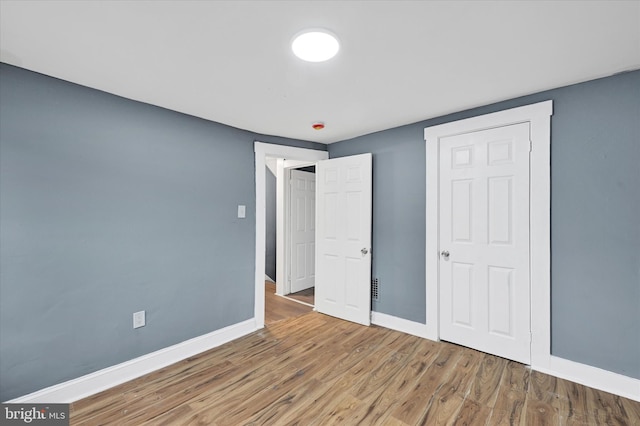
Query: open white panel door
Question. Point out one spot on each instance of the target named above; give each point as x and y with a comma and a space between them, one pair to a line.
343, 238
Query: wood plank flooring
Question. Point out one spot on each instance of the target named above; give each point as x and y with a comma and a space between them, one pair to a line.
278, 308
306, 296
317, 370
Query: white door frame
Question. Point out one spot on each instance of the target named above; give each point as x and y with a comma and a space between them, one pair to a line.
290, 218
283, 223
262, 151
539, 117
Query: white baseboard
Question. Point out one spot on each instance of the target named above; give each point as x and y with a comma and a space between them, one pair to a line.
593, 377
82, 387
98, 381
559, 367
400, 324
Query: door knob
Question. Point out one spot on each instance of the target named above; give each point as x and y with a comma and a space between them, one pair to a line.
364, 251
445, 254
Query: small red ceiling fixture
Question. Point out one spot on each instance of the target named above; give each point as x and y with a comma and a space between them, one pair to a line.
319, 125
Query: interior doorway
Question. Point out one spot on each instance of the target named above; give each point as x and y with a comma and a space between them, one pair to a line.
280, 152
538, 117
343, 283
295, 205
278, 308
301, 227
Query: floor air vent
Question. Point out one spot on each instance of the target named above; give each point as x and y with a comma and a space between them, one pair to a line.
375, 289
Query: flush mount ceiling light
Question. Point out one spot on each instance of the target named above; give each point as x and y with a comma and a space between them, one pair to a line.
315, 45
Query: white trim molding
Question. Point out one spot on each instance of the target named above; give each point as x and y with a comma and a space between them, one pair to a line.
539, 117
399, 324
82, 387
262, 151
594, 377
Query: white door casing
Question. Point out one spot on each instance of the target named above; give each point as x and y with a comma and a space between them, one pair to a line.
484, 241
283, 220
262, 151
539, 118
302, 229
343, 238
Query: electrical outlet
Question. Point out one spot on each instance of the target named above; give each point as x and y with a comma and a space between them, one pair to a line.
139, 319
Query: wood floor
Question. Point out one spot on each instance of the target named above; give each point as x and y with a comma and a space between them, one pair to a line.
278, 308
306, 296
313, 369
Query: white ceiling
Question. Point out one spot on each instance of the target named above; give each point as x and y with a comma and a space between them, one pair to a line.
400, 62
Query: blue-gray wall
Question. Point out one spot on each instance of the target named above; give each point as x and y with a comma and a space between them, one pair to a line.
110, 206
595, 216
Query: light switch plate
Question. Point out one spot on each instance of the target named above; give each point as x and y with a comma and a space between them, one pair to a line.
242, 211
139, 319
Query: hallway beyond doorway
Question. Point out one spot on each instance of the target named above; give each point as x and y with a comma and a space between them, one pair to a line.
278, 308
305, 296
